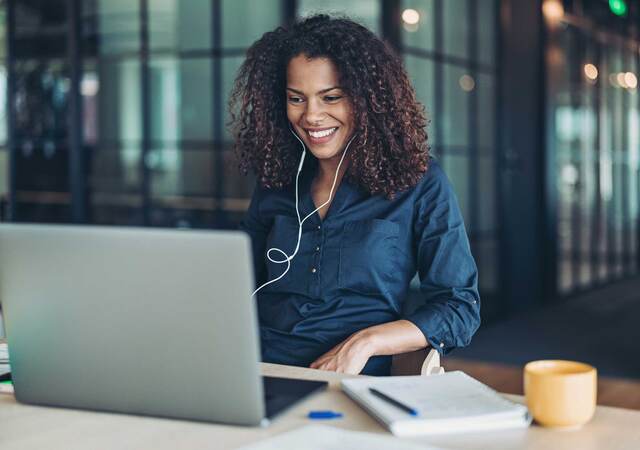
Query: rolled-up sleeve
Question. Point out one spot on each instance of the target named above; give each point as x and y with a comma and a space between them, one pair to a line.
448, 274
257, 228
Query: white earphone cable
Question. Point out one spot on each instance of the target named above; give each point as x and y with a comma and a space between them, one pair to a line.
300, 222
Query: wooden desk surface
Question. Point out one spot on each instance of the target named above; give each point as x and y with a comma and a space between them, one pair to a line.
30, 427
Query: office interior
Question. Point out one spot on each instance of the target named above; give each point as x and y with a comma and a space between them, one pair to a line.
114, 113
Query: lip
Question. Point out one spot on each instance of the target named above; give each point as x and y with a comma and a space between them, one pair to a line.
323, 139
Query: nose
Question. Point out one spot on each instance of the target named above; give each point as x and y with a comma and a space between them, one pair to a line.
315, 112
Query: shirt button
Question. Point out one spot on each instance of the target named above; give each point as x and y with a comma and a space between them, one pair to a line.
317, 249
441, 344
313, 270
319, 227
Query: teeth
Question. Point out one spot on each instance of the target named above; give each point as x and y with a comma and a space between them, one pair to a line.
321, 134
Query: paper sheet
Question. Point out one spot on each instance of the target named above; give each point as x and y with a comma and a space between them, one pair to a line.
4, 352
322, 437
4, 359
450, 396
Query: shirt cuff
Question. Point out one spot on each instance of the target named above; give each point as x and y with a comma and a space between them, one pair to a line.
434, 322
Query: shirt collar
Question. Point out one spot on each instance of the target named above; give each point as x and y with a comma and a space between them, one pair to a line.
341, 195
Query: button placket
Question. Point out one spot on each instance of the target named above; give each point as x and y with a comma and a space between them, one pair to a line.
315, 269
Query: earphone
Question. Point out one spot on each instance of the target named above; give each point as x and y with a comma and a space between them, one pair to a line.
300, 222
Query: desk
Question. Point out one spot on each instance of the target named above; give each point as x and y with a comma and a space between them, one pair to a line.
30, 427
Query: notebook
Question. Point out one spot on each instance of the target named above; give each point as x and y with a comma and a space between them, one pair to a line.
5, 370
449, 403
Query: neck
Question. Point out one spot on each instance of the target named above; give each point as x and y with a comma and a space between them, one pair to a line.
327, 170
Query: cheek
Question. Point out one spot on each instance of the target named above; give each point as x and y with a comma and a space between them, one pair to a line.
345, 114
347, 118
292, 114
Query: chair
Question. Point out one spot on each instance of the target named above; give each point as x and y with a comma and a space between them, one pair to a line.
420, 362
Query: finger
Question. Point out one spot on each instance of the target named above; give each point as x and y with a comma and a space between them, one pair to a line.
327, 364
328, 367
334, 350
318, 362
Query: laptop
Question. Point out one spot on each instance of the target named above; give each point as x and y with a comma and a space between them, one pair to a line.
137, 320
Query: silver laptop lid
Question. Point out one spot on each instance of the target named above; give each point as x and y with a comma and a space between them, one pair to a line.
145, 321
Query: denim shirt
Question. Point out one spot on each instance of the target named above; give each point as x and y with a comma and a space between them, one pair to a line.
353, 268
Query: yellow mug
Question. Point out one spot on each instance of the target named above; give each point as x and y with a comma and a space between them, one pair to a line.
560, 393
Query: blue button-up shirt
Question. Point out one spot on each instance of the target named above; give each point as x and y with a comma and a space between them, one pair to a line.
353, 268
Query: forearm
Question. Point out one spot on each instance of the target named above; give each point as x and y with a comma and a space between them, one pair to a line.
351, 355
392, 338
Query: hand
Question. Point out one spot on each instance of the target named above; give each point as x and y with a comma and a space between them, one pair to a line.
349, 356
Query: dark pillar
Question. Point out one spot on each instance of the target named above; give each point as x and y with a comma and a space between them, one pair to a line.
528, 229
77, 173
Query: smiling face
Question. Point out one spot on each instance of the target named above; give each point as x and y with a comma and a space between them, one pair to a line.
318, 109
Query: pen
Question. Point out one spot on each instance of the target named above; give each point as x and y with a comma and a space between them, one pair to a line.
324, 415
393, 401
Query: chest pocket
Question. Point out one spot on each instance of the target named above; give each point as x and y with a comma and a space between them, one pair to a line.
284, 235
368, 256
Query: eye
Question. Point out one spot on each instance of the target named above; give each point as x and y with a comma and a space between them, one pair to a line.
295, 99
332, 98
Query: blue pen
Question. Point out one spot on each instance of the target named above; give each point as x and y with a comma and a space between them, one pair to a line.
324, 415
394, 402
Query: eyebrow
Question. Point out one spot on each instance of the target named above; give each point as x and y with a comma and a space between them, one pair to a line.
319, 92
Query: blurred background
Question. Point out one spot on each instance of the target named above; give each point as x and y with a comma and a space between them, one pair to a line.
113, 112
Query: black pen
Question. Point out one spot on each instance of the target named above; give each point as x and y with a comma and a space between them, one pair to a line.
393, 401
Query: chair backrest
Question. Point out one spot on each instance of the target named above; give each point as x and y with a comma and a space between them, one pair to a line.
420, 362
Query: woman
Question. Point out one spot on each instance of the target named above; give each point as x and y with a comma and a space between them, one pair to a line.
339, 233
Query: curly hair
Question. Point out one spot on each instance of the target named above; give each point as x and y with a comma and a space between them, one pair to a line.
389, 153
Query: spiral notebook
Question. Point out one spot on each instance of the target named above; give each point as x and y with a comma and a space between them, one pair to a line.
452, 402
4, 362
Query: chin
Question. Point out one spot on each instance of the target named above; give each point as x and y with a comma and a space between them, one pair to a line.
328, 150
321, 153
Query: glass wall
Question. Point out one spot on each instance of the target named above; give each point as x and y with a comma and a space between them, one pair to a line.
112, 121
39, 72
153, 89
594, 121
366, 12
450, 52
158, 77
4, 154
